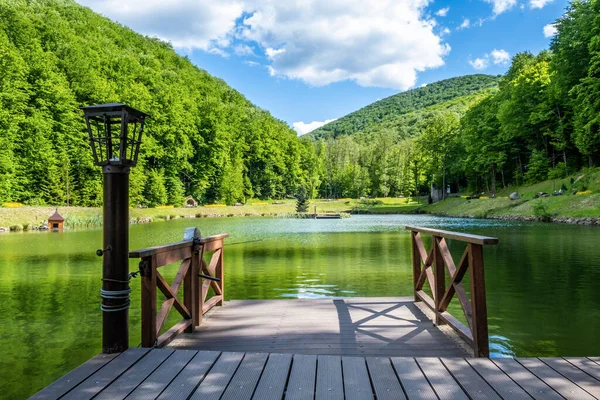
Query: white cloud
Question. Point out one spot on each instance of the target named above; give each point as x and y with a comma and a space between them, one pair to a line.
303, 128
479, 63
386, 44
501, 6
495, 56
442, 12
243, 50
550, 30
500, 56
444, 31
538, 3
251, 63
201, 24
465, 24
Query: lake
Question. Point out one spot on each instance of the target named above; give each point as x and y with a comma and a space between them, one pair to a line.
541, 282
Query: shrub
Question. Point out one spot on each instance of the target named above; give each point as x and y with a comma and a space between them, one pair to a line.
540, 211
558, 172
301, 200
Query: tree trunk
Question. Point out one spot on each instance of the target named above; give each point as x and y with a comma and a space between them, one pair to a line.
493, 178
444, 182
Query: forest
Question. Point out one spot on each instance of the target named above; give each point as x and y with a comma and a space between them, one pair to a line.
540, 120
203, 139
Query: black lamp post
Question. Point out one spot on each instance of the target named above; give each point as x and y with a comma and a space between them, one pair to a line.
115, 134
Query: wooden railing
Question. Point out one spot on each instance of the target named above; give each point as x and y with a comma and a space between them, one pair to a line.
432, 266
194, 273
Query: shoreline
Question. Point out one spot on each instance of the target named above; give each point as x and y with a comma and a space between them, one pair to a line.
89, 217
589, 221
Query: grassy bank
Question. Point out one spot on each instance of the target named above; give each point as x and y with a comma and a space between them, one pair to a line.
585, 204
77, 217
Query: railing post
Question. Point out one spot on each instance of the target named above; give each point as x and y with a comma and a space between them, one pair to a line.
148, 268
481, 345
440, 279
416, 262
221, 273
200, 285
189, 292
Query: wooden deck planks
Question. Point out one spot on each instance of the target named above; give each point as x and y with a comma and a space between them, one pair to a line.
301, 384
346, 327
528, 381
127, 382
274, 378
244, 381
73, 378
586, 365
104, 376
575, 375
330, 385
412, 379
470, 381
184, 374
153, 386
385, 381
496, 378
440, 379
555, 380
215, 383
357, 385
194, 372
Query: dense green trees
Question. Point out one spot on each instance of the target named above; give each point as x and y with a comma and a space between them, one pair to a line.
387, 114
541, 119
204, 138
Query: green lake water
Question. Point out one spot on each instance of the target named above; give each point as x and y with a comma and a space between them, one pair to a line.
542, 282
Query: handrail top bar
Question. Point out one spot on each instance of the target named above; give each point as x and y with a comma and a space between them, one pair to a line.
463, 237
151, 251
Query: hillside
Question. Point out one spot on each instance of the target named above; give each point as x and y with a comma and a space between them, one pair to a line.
391, 111
204, 138
576, 208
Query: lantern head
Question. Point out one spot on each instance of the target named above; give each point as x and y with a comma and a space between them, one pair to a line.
115, 133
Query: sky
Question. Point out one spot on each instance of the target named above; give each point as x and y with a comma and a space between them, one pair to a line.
309, 62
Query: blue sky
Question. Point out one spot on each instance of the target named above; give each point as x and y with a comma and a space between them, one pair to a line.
312, 61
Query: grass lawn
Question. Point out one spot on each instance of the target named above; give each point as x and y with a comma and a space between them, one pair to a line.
89, 216
567, 205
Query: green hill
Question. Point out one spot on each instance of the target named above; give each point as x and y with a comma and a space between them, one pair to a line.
204, 138
401, 112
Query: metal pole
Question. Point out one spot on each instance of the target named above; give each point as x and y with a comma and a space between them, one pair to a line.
115, 265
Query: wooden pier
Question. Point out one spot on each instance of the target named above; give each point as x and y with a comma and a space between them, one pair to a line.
353, 348
389, 326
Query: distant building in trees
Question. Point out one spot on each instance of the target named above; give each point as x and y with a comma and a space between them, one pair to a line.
190, 202
56, 221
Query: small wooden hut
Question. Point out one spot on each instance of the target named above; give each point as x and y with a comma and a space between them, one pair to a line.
190, 202
56, 221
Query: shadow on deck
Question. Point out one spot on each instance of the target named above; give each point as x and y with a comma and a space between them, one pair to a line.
345, 326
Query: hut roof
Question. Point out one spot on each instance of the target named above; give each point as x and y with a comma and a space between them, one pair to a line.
56, 217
